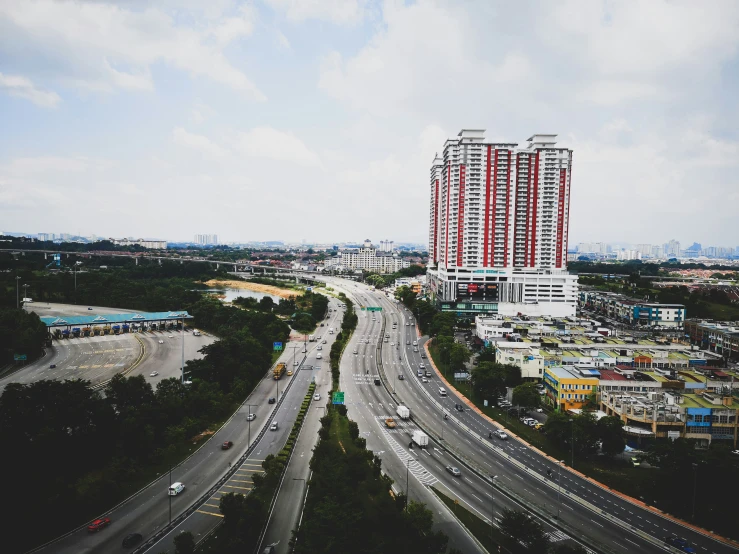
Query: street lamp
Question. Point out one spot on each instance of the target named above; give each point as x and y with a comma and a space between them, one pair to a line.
559, 484
407, 484
572, 424
492, 505
183, 350
17, 298
248, 420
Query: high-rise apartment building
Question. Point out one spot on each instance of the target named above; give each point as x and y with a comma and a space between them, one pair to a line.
206, 239
498, 227
387, 245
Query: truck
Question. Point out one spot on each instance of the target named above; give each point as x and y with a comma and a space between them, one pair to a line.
390, 423
403, 412
116, 329
126, 328
311, 338
28, 300
330, 330
86, 331
65, 333
279, 370
75, 331
420, 438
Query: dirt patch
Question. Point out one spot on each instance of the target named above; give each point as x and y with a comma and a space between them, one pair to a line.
342, 447
197, 438
256, 287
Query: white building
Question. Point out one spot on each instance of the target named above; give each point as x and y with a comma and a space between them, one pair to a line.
206, 239
368, 258
498, 227
387, 245
146, 243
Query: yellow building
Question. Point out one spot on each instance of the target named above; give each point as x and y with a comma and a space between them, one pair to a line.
569, 387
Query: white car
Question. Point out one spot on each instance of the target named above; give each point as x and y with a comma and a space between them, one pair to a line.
153, 374
424, 380
296, 362
251, 417
318, 356
324, 341
316, 396
170, 336
161, 341
319, 347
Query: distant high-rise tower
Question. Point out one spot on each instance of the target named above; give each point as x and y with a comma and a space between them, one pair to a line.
206, 240
499, 217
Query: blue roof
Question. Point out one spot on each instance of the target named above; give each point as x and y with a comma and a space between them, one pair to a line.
107, 319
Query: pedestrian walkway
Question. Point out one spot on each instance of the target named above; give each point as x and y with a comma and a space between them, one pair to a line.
239, 483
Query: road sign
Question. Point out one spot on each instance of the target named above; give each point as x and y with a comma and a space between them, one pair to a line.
374, 308
338, 398
276, 346
20, 357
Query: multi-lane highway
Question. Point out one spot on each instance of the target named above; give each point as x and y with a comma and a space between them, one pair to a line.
147, 512
600, 518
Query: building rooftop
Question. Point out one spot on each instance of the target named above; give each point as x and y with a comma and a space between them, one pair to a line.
612, 375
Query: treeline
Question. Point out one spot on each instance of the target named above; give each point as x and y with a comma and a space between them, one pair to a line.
104, 447
348, 324
20, 333
381, 280
351, 507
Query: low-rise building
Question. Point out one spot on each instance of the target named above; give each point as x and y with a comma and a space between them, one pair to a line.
632, 312
721, 337
367, 258
528, 359
146, 243
568, 388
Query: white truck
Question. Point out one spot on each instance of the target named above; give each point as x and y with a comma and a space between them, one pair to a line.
420, 438
403, 412
330, 330
311, 338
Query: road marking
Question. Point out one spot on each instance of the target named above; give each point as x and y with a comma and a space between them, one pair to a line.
209, 513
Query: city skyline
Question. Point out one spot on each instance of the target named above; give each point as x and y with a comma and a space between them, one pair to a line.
199, 123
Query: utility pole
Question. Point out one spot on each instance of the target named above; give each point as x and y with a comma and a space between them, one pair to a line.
25, 290
17, 297
572, 423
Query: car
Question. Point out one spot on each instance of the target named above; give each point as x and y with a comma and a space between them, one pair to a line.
423, 354
539, 410
226, 445
501, 434
401, 377
319, 347
274, 426
187, 382
319, 356
454, 471
52, 366
272, 400
635, 461
538, 425
161, 341
251, 417
270, 549
89, 308
424, 380
680, 544
289, 372
459, 407
355, 351
415, 343
316, 396
98, 524
735, 452
296, 362
132, 540
153, 374
392, 344
415, 349
324, 341
407, 324
321, 324
421, 366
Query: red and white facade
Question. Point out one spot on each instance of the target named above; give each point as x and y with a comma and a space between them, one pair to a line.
499, 217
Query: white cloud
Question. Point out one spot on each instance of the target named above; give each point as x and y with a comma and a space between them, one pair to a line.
266, 142
235, 27
282, 40
84, 41
341, 12
207, 147
16, 85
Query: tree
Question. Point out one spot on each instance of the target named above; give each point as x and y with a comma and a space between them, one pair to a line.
523, 529
266, 304
184, 543
611, 433
459, 355
443, 323
526, 395
488, 380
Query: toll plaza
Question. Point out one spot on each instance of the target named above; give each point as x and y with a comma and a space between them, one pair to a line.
63, 327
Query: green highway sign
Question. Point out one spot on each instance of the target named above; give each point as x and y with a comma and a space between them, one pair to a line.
374, 309
276, 346
20, 357
338, 398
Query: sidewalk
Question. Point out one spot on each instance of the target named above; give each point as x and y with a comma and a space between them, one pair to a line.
288, 509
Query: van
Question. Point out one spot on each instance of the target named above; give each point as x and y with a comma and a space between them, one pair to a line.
442, 391
274, 426
377, 381
175, 489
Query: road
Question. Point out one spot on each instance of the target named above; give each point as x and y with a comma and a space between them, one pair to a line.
587, 510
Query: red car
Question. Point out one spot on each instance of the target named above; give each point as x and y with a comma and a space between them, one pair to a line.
98, 524
226, 445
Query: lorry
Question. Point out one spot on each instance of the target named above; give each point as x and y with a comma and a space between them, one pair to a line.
390, 423
75, 332
330, 330
403, 412
279, 370
126, 328
311, 338
420, 438
116, 329
65, 333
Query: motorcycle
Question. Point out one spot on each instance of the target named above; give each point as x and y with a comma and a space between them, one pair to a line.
490, 435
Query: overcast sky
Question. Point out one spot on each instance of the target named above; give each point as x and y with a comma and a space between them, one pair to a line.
318, 119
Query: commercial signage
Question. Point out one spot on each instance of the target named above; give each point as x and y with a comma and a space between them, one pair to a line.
489, 291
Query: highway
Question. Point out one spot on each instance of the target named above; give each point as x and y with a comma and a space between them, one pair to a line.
147, 512
587, 510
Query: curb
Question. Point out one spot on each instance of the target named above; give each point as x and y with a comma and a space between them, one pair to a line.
598, 484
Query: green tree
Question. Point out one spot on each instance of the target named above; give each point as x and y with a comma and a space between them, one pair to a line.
488, 380
526, 395
459, 355
443, 323
612, 436
525, 530
184, 543
266, 304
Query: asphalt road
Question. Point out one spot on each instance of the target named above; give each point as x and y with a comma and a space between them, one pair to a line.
585, 508
147, 512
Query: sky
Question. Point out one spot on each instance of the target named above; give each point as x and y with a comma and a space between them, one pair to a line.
318, 120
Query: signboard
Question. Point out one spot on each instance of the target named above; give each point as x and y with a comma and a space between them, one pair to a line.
672, 435
338, 398
20, 357
462, 376
489, 291
374, 309
276, 346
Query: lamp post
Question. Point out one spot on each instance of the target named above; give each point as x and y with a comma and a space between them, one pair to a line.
443, 417
25, 292
695, 488
248, 420
407, 485
572, 424
183, 350
17, 297
559, 484
492, 505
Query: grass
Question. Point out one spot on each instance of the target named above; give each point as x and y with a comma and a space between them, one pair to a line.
491, 538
